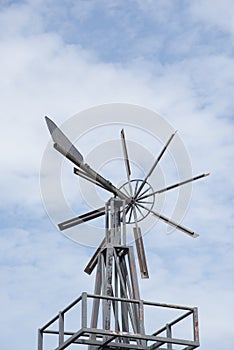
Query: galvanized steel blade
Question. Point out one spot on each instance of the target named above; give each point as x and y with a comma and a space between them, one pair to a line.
107, 184
125, 152
174, 186
88, 177
170, 222
82, 218
126, 161
155, 164
62, 141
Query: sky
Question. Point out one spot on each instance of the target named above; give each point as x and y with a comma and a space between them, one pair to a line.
59, 58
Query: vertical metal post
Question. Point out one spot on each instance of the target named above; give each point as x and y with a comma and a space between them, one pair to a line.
124, 240
112, 221
84, 310
61, 328
116, 306
133, 274
108, 287
123, 293
97, 290
169, 345
96, 301
107, 221
118, 224
40, 339
141, 326
195, 325
141, 323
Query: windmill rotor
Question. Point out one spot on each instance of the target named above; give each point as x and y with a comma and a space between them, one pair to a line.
138, 195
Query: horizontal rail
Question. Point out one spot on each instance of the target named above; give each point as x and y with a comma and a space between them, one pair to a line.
149, 303
172, 306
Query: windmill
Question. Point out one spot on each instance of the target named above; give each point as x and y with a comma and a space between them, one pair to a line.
117, 298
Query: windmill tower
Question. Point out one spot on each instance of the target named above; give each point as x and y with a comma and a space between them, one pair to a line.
117, 317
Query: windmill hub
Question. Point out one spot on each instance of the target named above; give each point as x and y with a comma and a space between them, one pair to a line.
142, 199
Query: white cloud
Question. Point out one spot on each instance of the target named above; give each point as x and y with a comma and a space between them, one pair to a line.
215, 13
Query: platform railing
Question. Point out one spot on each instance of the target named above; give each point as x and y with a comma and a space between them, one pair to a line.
97, 338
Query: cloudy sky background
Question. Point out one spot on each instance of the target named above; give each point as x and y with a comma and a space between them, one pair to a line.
59, 58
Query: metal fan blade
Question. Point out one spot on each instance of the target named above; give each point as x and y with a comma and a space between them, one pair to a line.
155, 164
82, 218
170, 222
174, 186
93, 261
63, 142
105, 183
87, 177
140, 252
125, 152
127, 163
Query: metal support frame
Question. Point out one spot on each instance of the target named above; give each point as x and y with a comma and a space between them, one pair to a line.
116, 276
118, 315
113, 338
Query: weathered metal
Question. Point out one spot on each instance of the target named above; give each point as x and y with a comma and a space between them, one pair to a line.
81, 219
140, 252
118, 317
114, 338
174, 186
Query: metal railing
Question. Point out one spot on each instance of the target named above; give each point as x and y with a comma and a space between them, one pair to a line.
98, 338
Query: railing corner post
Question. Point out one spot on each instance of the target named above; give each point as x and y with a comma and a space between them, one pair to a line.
61, 328
84, 310
40, 339
195, 325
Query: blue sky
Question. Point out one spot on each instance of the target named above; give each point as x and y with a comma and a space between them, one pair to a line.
59, 58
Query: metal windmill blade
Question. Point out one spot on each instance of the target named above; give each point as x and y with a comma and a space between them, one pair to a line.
63, 144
